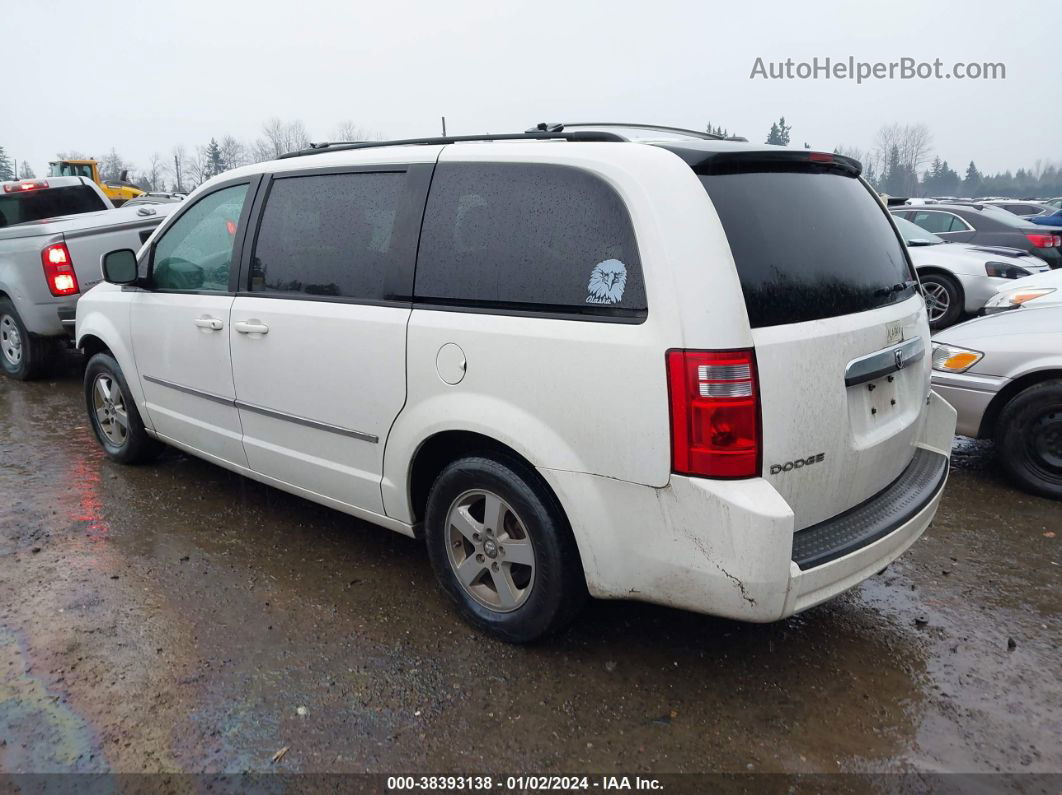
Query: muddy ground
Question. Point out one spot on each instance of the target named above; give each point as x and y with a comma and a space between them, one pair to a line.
176, 617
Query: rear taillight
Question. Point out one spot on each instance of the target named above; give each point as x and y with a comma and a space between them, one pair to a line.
24, 185
1043, 241
59, 269
715, 413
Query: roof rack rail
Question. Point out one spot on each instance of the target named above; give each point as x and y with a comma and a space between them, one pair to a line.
706, 136
339, 146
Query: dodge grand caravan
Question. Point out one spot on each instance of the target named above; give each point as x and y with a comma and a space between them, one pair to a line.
687, 371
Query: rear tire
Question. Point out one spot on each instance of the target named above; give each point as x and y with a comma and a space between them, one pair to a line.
23, 356
944, 299
502, 548
1028, 438
113, 415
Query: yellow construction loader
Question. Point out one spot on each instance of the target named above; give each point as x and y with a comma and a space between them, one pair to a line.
118, 192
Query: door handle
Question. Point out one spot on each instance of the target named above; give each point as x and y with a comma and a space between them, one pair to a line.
211, 323
251, 327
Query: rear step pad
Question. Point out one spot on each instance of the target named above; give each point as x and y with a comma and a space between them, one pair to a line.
875, 518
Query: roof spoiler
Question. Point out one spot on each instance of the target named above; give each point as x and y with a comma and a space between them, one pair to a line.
713, 162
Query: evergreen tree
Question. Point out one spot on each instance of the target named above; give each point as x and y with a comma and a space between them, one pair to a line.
6, 169
948, 181
215, 162
971, 185
779, 134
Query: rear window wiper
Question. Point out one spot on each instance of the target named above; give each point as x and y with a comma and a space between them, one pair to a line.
896, 288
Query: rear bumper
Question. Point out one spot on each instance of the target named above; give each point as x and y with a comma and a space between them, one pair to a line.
833, 556
45, 319
67, 317
726, 547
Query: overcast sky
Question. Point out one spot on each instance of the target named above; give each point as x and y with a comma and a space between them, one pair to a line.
142, 76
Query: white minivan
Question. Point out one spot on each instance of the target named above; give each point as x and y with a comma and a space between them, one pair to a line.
669, 368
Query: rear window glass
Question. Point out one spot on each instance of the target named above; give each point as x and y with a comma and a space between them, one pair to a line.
809, 243
328, 235
36, 205
528, 236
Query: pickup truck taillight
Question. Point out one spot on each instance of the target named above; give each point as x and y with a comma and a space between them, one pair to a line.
59, 270
715, 413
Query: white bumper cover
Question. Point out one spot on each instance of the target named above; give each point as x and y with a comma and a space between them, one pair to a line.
721, 547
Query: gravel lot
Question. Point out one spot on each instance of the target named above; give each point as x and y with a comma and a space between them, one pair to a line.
177, 617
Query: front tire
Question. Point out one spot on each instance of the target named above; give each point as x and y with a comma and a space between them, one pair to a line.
1029, 439
113, 415
943, 299
502, 548
23, 356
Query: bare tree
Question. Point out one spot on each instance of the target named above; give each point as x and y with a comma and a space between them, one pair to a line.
72, 154
112, 166
349, 131
279, 137
197, 167
905, 145
153, 175
233, 153
26, 171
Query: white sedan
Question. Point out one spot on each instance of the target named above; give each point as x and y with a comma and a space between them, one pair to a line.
958, 278
1038, 290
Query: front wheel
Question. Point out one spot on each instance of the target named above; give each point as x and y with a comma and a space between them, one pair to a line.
1029, 439
113, 414
502, 548
943, 299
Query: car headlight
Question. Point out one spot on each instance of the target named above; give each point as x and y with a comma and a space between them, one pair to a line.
1002, 270
953, 359
1015, 298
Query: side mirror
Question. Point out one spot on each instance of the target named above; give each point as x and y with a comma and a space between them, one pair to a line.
124, 176
119, 267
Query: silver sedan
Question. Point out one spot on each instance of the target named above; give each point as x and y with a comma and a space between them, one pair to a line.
1003, 375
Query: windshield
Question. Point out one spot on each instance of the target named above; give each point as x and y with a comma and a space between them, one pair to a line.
69, 170
36, 205
808, 242
914, 235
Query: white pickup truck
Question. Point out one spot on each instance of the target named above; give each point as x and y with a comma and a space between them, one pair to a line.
52, 234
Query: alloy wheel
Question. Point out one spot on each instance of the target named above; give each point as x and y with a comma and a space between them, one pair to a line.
938, 301
490, 550
111, 413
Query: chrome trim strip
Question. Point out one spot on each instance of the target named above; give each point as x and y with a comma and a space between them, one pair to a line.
883, 362
278, 415
189, 390
321, 426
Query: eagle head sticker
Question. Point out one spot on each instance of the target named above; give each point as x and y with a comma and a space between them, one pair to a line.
607, 281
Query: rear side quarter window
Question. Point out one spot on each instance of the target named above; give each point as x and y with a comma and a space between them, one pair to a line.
528, 237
